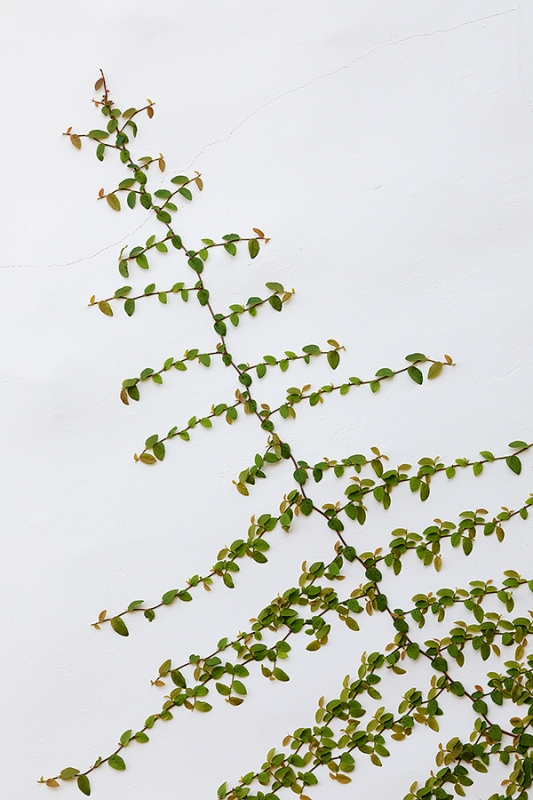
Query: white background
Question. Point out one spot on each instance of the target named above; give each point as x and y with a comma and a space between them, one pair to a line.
385, 147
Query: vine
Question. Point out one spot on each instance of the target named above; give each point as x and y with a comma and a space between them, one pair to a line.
315, 606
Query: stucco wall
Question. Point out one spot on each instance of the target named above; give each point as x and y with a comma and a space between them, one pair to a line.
385, 147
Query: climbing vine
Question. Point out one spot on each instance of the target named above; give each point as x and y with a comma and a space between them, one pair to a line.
347, 727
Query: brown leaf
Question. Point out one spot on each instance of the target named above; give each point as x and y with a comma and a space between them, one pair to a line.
150, 112
124, 397
162, 164
52, 782
199, 183
69, 129
75, 140
101, 193
259, 232
101, 615
159, 683
98, 85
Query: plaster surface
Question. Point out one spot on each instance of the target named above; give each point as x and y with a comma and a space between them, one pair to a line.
386, 149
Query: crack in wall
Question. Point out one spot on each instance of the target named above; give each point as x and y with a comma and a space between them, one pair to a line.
274, 99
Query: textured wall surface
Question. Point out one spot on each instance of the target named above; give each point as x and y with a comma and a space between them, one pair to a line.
385, 147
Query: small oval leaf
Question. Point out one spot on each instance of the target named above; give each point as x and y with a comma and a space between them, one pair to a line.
84, 785
113, 201
105, 308
119, 626
117, 762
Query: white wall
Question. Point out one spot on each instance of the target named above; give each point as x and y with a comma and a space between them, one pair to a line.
386, 149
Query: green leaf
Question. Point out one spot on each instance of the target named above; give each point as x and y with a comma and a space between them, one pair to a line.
204, 707
119, 626
84, 785
186, 193
311, 349
518, 444
105, 308
196, 264
113, 201
117, 762
131, 199
435, 370
413, 650
96, 134
333, 359
274, 287
300, 476
275, 302
514, 464
280, 675
306, 506
416, 357
178, 679
68, 773
126, 737
129, 306
253, 247
415, 374
159, 451
142, 261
